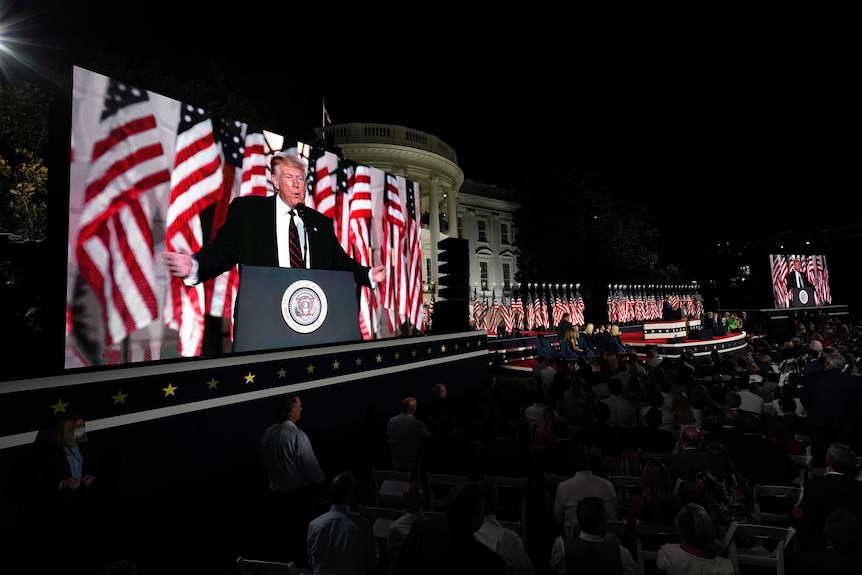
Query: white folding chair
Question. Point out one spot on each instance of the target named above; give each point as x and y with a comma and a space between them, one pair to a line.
439, 485
261, 567
768, 551
389, 486
774, 504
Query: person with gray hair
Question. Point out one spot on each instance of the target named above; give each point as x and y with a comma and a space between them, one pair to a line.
699, 551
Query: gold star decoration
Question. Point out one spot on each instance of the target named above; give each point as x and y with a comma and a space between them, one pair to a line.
379, 358
59, 407
429, 351
397, 356
309, 368
468, 345
249, 378
358, 361
413, 353
479, 343
335, 364
212, 383
456, 347
442, 349
281, 373
170, 389
120, 397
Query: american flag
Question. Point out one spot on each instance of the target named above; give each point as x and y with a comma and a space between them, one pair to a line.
411, 298
780, 268
477, 312
360, 246
196, 183
114, 248
244, 170
508, 316
394, 226
518, 311
531, 311
321, 181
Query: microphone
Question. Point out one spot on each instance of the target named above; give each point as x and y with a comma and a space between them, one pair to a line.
300, 210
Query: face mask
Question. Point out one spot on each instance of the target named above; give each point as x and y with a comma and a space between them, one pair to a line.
79, 433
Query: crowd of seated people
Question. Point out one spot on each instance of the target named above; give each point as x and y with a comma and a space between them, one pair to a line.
709, 422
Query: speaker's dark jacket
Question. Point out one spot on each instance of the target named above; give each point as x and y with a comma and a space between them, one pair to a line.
248, 236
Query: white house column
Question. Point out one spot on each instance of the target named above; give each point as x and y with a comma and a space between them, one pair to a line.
452, 213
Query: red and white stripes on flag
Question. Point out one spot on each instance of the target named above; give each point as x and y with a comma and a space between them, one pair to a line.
244, 170
360, 246
115, 245
322, 168
412, 297
196, 183
394, 226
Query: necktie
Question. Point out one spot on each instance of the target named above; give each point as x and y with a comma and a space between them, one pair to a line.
295, 249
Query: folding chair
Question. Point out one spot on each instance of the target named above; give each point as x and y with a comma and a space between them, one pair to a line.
649, 537
439, 485
389, 486
773, 504
769, 549
512, 493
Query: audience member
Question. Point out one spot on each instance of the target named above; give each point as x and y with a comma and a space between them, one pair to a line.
588, 550
833, 402
836, 489
582, 484
699, 551
623, 411
842, 555
726, 494
684, 415
449, 545
405, 433
295, 479
435, 406
651, 436
656, 501
501, 540
399, 529
543, 373
690, 460
729, 431
599, 434
701, 401
341, 542
564, 326
759, 459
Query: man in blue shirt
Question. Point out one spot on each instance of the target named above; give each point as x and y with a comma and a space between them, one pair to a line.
341, 542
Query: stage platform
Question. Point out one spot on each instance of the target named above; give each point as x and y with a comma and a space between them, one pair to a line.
517, 350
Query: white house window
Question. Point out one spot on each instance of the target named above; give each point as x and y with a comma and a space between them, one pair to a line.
504, 232
507, 274
483, 274
481, 228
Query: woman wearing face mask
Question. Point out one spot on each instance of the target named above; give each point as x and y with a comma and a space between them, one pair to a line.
66, 478
67, 472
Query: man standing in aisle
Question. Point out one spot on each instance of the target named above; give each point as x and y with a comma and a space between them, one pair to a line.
295, 479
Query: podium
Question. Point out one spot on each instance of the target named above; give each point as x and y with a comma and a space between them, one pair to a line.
802, 297
279, 308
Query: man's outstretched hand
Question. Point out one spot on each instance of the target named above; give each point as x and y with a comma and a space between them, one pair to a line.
378, 273
179, 265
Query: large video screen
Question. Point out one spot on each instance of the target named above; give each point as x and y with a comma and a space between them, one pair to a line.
800, 280
149, 173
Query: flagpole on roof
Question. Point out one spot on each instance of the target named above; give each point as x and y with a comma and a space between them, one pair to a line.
325, 119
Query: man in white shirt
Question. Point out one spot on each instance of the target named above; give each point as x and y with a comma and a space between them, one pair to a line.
582, 484
501, 540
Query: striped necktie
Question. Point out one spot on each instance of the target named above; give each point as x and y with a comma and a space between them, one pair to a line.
295, 248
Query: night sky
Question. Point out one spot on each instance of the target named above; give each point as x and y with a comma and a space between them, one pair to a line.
752, 122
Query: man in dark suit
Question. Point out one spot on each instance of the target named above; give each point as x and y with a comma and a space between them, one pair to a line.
564, 326
257, 231
833, 401
796, 278
836, 489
